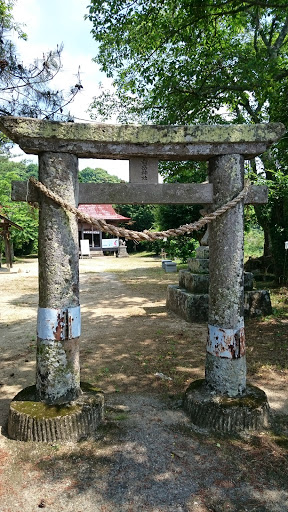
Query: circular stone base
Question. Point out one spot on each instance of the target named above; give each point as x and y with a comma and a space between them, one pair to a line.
32, 420
223, 414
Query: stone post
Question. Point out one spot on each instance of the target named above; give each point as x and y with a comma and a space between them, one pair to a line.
223, 401
56, 409
225, 359
58, 326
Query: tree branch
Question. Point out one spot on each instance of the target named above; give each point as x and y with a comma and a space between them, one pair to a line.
256, 19
245, 104
280, 39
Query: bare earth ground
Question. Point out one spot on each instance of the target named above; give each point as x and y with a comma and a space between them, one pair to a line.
146, 457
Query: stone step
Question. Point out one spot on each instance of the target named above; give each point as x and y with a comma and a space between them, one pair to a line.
191, 307
202, 252
199, 283
194, 307
198, 265
194, 283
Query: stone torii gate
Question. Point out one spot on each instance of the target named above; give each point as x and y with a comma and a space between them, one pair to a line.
58, 146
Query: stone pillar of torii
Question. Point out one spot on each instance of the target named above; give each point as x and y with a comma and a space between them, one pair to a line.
58, 146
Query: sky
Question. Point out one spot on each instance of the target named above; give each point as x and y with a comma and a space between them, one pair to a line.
51, 22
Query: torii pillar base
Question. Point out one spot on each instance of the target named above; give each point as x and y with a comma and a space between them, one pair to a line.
33, 420
218, 413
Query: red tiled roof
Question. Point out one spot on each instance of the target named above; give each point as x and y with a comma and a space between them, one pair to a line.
101, 211
5, 220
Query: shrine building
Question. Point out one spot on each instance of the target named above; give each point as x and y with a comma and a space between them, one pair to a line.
99, 241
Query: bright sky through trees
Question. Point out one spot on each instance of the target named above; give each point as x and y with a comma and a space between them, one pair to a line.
48, 23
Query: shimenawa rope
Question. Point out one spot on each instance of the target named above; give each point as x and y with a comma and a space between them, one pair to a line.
102, 225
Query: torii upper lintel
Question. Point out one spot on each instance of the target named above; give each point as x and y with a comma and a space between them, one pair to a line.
193, 142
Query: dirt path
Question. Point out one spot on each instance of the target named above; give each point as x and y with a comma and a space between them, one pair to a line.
147, 457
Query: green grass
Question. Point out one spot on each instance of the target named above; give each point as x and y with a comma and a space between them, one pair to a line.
253, 243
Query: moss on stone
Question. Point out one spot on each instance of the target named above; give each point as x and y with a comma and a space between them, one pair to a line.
26, 402
33, 420
86, 387
281, 441
220, 413
39, 410
16, 128
252, 399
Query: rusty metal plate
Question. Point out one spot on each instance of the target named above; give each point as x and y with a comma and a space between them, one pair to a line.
59, 324
226, 343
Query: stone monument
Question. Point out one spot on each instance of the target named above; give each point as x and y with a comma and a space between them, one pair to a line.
190, 299
122, 250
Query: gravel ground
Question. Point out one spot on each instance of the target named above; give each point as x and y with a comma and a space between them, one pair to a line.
164, 466
146, 456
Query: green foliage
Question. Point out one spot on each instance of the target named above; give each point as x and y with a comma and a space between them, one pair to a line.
142, 217
182, 248
273, 217
97, 175
183, 172
250, 219
277, 211
253, 243
197, 61
26, 241
173, 216
180, 62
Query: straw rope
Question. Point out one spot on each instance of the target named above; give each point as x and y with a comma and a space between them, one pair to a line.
102, 225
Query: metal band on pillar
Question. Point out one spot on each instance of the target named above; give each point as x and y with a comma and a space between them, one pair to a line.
227, 343
59, 324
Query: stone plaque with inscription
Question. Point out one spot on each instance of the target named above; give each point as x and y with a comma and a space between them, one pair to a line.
143, 170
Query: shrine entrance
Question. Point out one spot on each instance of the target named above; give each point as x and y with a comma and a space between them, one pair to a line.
58, 146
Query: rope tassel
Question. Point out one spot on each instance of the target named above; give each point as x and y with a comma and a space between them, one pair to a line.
102, 225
